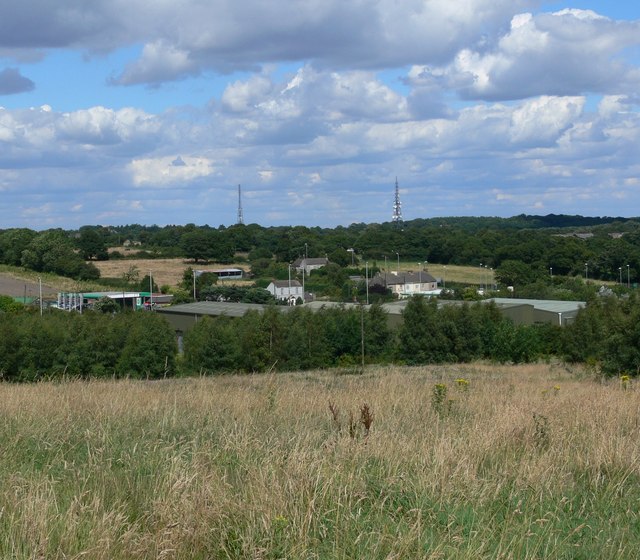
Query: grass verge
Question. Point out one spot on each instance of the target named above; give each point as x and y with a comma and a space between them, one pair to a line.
440, 462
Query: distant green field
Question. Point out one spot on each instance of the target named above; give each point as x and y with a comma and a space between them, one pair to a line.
449, 273
457, 462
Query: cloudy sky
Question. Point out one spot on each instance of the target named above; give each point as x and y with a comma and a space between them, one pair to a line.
154, 111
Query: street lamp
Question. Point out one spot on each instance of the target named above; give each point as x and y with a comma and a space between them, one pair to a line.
551, 272
486, 278
620, 274
628, 282
366, 278
398, 269
586, 272
40, 293
150, 290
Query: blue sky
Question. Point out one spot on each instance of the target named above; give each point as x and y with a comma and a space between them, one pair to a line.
115, 112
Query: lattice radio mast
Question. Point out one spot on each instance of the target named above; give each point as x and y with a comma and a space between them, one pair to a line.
397, 207
240, 216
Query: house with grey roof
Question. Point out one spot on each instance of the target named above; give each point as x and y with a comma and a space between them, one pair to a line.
407, 284
289, 290
306, 264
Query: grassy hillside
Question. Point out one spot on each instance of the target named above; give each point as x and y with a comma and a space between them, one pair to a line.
449, 462
52, 281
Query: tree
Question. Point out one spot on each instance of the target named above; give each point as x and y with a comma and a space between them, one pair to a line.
53, 251
106, 305
13, 242
145, 284
131, 275
91, 244
212, 346
150, 348
260, 253
10, 305
515, 273
197, 245
341, 257
421, 339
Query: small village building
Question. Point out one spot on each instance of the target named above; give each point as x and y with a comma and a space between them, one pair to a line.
539, 311
407, 284
228, 273
286, 290
306, 265
76, 301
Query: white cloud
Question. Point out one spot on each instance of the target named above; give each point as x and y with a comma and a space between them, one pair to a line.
569, 52
494, 100
544, 118
191, 36
161, 172
158, 63
244, 96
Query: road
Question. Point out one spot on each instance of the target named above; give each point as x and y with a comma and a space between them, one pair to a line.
15, 287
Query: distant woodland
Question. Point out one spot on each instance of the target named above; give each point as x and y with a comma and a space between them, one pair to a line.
565, 245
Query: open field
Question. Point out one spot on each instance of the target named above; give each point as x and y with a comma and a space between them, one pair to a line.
520, 462
458, 274
164, 271
169, 271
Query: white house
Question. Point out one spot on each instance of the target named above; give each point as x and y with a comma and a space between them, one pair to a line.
406, 284
289, 290
307, 265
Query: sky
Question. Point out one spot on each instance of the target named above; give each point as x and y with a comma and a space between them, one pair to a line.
115, 112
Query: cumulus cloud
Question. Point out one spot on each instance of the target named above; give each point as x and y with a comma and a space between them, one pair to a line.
307, 105
162, 172
41, 137
495, 108
193, 36
11, 81
570, 52
160, 62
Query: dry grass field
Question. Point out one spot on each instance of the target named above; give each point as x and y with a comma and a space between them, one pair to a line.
165, 271
453, 462
169, 271
460, 274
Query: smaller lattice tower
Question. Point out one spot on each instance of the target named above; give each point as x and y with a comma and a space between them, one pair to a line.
240, 216
397, 206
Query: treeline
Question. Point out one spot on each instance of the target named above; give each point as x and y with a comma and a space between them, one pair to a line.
57, 344
605, 335
345, 336
459, 241
54, 251
543, 243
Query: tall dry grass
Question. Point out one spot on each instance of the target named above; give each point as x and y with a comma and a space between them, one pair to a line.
521, 462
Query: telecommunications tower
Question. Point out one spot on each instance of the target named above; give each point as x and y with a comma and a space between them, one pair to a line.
397, 207
240, 216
